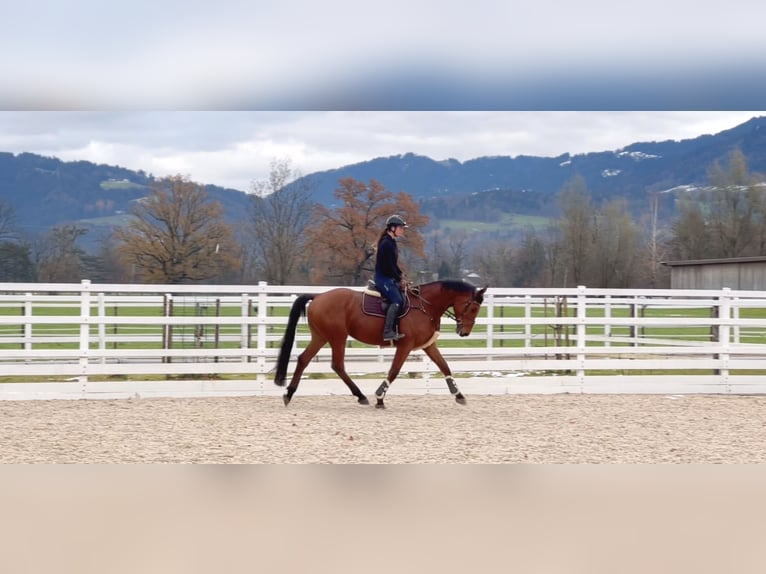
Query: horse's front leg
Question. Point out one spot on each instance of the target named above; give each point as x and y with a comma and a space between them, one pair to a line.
400, 356
436, 356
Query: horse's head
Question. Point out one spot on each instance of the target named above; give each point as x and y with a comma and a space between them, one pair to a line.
466, 308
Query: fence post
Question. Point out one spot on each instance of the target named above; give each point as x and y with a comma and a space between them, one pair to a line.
263, 312
115, 314
84, 329
633, 329
27, 346
582, 313
562, 310
724, 335
101, 326
490, 316
217, 341
607, 316
167, 327
246, 311
527, 324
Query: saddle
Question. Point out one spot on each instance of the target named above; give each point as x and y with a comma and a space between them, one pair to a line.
375, 304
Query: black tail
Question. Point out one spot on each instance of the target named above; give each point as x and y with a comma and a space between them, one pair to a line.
298, 309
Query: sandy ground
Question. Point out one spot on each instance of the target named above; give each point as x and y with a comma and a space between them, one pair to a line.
413, 429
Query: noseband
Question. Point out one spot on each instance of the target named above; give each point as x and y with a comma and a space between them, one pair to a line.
453, 315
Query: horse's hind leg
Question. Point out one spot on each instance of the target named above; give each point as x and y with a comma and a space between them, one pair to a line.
338, 365
436, 356
303, 360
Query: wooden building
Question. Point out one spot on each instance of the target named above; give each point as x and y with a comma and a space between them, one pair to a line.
738, 273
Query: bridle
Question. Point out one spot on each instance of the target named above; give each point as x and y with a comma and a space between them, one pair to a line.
450, 312
453, 314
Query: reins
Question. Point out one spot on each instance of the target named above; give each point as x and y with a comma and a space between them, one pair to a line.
415, 291
449, 313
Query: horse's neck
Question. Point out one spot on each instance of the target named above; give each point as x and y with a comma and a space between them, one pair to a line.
439, 298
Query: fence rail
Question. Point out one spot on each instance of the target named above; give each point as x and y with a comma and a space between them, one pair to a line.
100, 340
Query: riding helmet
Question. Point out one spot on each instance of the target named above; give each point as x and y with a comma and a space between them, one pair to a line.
395, 220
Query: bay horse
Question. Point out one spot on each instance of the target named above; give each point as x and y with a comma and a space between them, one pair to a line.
337, 314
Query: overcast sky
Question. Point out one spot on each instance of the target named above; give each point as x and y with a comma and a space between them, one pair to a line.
233, 149
399, 54
283, 67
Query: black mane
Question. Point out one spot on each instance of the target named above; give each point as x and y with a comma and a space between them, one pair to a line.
459, 286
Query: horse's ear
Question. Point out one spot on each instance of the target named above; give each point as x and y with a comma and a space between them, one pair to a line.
483, 290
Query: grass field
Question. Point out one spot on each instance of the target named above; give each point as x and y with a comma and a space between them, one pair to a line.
542, 335
108, 221
120, 184
510, 222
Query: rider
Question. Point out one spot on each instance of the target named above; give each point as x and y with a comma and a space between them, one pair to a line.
388, 276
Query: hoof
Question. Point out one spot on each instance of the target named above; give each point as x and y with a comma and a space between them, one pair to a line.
460, 399
286, 398
379, 404
363, 401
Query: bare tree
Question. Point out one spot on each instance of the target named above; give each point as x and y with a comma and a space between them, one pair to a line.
655, 250
494, 262
105, 264
15, 255
7, 220
16, 262
613, 249
436, 251
731, 206
529, 262
281, 210
177, 235
690, 236
575, 224
59, 258
727, 219
458, 252
556, 268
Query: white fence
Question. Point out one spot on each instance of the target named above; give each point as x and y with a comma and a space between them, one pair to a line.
97, 340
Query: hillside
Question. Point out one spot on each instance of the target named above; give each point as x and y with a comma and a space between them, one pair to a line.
529, 183
45, 191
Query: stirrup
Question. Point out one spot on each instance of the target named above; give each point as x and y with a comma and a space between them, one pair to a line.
393, 336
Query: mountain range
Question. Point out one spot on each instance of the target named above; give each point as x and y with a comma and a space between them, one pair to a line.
45, 191
528, 184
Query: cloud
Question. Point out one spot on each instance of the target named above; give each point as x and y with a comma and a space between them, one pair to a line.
217, 91
301, 55
234, 149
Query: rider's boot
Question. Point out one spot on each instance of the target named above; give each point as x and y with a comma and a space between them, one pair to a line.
389, 332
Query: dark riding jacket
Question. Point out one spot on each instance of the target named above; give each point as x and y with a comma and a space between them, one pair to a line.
387, 260
388, 276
